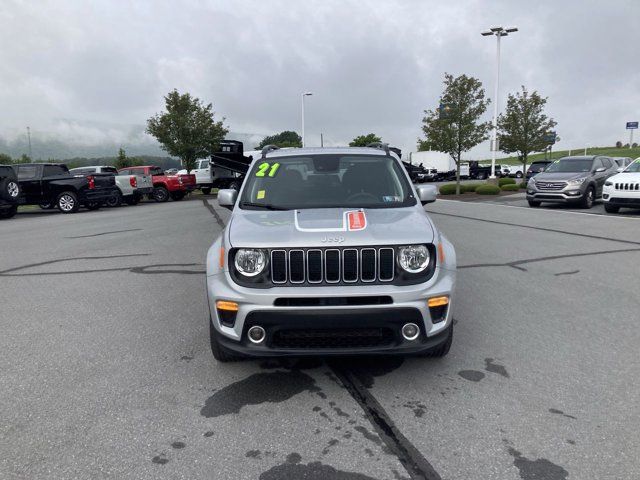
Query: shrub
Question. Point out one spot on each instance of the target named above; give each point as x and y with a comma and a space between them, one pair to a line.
488, 190
506, 181
523, 185
510, 187
449, 189
469, 187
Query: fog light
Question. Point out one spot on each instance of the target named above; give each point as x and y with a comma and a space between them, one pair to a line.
410, 331
256, 334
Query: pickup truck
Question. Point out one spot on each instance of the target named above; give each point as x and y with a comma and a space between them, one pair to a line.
131, 188
9, 191
164, 186
51, 183
204, 178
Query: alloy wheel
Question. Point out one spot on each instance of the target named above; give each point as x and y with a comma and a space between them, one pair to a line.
66, 203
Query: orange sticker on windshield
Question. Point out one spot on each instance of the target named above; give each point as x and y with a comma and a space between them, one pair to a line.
357, 220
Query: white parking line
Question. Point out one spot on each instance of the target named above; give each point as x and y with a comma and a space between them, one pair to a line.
540, 210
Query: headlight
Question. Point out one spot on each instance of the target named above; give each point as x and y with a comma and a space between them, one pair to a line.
577, 181
413, 258
250, 262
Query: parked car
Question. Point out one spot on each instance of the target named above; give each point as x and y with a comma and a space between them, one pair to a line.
329, 251
513, 171
164, 186
203, 173
537, 167
130, 188
623, 189
573, 180
171, 171
622, 162
52, 184
9, 191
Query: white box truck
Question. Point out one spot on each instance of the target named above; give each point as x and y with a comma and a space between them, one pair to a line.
438, 165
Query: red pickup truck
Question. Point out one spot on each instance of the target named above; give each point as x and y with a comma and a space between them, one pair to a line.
164, 186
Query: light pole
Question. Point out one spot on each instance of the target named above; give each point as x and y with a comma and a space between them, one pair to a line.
498, 32
29, 140
305, 94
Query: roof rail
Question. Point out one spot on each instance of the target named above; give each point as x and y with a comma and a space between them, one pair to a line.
380, 146
267, 149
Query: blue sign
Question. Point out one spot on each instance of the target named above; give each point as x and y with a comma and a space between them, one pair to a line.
632, 125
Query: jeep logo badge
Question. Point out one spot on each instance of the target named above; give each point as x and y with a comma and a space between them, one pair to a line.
332, 239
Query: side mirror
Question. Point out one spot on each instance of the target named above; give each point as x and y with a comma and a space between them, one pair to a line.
620, 169
427, 193
227, 198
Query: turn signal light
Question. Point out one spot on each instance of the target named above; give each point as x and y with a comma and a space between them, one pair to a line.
440, 253
438, 301
227, 306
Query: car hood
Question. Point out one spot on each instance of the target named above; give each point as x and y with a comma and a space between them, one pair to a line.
558, 176
625, 177
324, 227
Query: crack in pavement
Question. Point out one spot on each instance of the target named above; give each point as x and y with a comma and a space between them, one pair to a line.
140, 269
516, 263
106, 233
543, 229
216, 215
416, 465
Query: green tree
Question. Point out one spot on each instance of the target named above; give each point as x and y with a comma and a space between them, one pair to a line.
24, 158
455, 128
5, 159
364, 140
187, 129
523, 125
122, 161
282, 140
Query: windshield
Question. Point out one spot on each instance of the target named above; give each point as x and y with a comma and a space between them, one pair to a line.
633, 167
570, 165
326, 181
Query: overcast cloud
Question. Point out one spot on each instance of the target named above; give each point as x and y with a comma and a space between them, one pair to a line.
90, 73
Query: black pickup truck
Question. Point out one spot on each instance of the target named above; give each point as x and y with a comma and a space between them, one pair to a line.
52, 184
9, 191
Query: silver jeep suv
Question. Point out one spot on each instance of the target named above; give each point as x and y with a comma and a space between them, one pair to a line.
329, 251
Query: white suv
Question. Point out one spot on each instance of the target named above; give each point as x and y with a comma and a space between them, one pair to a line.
623, 189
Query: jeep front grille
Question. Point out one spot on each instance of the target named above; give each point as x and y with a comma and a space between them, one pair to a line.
332, 266
627, 186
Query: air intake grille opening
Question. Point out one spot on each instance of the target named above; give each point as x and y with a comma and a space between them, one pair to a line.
343, 338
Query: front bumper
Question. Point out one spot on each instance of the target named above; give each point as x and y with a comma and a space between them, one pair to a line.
567, 195
621, 198
257, 307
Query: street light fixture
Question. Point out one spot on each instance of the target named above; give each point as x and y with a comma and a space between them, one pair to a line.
305, 94
498, 32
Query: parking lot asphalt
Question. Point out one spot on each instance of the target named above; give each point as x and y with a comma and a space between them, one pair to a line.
106, 371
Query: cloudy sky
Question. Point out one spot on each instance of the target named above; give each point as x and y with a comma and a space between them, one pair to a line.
89, 73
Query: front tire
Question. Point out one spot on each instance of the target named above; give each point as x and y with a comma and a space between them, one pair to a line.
442, 349
518, 174
67, 202
534, 204
206, 191
9, 189
177, 196
588, 198
235, 185
220, 353
160, 194
611, 208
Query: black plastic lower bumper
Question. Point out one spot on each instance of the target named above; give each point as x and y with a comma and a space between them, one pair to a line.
624, 202
367, 331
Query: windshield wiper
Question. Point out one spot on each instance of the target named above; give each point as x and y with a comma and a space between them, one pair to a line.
266, 206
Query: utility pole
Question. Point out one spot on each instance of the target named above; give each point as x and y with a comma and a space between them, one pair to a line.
305, 94
498, 32
29, 140
321, 140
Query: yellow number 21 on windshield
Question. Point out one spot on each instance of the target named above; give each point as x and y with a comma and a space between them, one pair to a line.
264, 167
